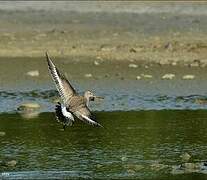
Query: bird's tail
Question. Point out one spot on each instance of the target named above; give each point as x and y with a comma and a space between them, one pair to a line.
60, 117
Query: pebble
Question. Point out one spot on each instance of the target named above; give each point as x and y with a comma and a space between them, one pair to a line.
133, 66
29, 110
99, 165
11, 163
34, 73
138, 77
158, 166
135, 167
188, 77
174, 64
124, 158
188, 168
96, 63
29, 106
185, 157
132, 50
195, 64
2, 133
147, 76
168, 76
88, 75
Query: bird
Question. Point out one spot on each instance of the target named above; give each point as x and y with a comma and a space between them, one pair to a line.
72, 104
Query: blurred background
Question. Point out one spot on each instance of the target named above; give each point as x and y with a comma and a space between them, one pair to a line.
149, 61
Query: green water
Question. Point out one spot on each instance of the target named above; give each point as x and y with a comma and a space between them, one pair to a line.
128, 147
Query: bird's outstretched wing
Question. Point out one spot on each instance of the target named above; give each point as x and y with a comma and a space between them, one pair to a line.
63, 86
85, 115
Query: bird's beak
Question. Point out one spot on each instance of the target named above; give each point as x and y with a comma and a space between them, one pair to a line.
99, 97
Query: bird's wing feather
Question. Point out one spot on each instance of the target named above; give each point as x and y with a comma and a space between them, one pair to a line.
64, 88
85, 115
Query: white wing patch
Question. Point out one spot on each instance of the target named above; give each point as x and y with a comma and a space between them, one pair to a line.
67, 114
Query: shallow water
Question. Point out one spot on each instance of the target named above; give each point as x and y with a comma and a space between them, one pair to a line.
129, 146
115, 81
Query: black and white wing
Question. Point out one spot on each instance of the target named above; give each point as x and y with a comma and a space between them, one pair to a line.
63, 86
63, 115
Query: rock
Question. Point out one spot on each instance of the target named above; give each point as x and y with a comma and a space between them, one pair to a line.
2, 133
185, 157
99, 166
11, 163
88, 75
201, 101
138, 77
96, 63
158, 166
168, 76
34, 73
29, 110
132, 50
187, 168
194, 64
188, 77
29, 106
133, 66
124, 158
135, 167
174, 64
130, 171
147, 76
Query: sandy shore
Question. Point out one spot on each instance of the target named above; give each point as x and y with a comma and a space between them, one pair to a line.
153, 36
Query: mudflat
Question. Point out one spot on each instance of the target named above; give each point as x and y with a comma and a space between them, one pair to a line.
162, 33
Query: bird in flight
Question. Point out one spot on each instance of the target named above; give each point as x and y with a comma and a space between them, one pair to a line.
72, 103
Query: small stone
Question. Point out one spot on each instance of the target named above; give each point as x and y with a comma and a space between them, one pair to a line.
133, 66
11, 163
185, 157
138, 77
168, 76
132, 50
2, 133
158, 166
34, 73
188, 77
195, 64
29, 110
124, 158
96, 63
130, 171
88, 75
190, 167
147, 76
174, 64
99, 165
135, 167
29, 106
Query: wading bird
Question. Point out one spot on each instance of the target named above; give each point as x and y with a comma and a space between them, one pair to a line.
72, 104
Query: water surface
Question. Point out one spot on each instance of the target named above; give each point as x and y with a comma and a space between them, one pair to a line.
128, 147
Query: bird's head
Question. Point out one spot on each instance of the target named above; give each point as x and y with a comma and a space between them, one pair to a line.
90, 96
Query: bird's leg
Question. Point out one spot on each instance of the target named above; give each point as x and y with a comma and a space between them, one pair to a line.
64, 126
